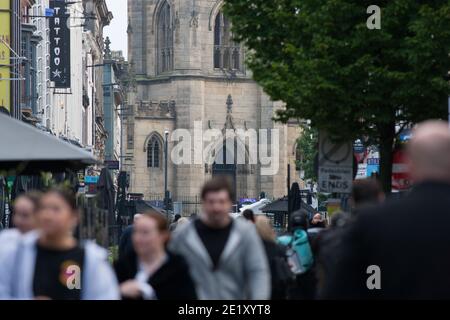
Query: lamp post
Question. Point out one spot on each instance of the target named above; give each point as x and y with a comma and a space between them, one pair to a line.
166, 192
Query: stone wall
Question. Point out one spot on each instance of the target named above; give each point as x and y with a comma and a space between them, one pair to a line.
196, 92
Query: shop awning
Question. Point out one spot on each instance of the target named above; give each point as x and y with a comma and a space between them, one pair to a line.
24, 149
281, 205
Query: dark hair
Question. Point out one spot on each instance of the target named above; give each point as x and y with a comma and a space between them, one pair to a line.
366, 191
177, 217
216, 184
33, 196
249, 215
67, 195
299, 220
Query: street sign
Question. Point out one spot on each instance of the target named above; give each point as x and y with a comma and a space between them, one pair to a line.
335, 165
112, 164
358, 147
401, 179
362, 171
59, 45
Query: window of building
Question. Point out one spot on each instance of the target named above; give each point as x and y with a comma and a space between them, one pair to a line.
153, 153
227, 53
165, 39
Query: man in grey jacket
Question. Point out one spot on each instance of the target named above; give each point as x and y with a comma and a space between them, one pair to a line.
226, 257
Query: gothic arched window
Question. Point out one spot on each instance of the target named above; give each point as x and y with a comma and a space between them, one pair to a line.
165, 39
153, 153
227, 53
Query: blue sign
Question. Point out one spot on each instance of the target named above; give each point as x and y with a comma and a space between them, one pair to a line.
371, 169
112, 164
247, 200
405, 135
373, 161
91, 179
358, 147
49, 12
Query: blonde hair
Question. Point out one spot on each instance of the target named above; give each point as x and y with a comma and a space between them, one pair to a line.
182, 220
264, 228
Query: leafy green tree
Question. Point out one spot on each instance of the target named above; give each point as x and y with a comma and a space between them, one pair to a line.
321, 59
307, 146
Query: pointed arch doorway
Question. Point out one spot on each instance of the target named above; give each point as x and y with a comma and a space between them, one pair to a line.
225, 165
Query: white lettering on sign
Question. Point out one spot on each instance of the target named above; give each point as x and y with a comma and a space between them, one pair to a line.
60, 44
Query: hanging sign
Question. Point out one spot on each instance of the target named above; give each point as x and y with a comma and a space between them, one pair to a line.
59, 44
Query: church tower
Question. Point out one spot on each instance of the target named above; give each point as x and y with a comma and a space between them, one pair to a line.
190, 73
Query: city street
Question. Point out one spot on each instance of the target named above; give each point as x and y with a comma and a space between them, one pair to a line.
224, 150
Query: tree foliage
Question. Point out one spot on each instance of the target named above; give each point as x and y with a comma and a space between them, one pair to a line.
307, 146
319, 57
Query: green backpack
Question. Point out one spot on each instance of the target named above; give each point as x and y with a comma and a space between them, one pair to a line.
299, 253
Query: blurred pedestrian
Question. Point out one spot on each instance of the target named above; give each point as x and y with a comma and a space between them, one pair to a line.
51, 264
365, 192
149, 271
193, 216
173, 225
226, 256
25, 206
397, 250
125, 242
318, 221
249, 215
300, 256
326, 248
24, 217
281, 274
182, 221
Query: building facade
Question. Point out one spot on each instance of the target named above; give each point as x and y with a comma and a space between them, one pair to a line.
6, 37
44, 92
113, 99
190, 75
28, 52
75, 113
18, 49
100, 17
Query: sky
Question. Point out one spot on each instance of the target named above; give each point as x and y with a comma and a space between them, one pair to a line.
117, 30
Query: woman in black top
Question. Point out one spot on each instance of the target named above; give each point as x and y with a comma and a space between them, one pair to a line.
149, 271
59, 267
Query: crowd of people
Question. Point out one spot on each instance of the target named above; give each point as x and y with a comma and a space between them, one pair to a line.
216, 257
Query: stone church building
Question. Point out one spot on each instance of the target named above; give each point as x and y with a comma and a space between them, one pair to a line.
188, 70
